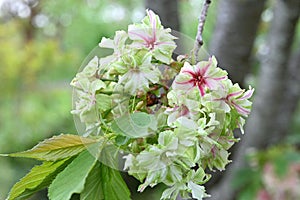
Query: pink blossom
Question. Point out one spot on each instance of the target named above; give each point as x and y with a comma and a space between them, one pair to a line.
232, 96
286, 187
203, 75
152, 36
149, 38
239, 100
177, 112
263, 195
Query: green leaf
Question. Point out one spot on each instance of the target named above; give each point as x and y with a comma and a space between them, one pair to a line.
282, 162
104, 183
121, 140
110, 155
57, 147
114, 186
72, 179
245, 177
250, 191
37, 179
93, 185
134, 125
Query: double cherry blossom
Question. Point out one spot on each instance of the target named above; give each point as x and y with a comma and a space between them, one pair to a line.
151, 35
203, 75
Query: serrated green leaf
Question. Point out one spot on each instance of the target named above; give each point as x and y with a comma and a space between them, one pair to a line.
37, 179
57, 147
72, 179
104, 183
93, 185
114, 186
134, 125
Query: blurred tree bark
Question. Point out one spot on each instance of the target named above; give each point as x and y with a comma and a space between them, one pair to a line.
262, 123
167, 11
291, 98
233, 40
234, 35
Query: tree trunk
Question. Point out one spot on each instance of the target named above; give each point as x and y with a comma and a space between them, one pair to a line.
262, 122
233, 40
168, 12
234, 35
291, 99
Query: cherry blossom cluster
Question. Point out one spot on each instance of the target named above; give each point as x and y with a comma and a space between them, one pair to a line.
170, 133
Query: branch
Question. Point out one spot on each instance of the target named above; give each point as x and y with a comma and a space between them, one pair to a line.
234, 34
199, 39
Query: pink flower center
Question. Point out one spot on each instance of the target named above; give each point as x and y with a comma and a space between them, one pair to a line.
199, 79
150, 43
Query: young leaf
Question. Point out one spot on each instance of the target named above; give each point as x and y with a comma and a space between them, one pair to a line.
114, 186
93, 185
72, 179
57, 147
134, 125
37, 179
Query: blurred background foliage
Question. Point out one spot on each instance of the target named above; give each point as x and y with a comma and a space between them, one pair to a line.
42, 45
